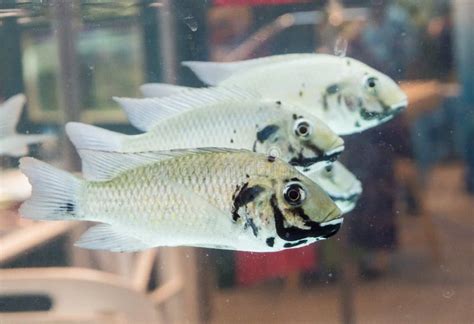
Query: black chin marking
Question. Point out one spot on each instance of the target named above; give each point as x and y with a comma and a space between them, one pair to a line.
265, 133
290, 245
293, 233
386, 112
305, 162
270, 241
242, 196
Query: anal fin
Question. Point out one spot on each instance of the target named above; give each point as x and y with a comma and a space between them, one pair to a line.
108, 237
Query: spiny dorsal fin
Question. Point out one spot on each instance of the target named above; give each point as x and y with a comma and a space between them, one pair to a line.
145, 113
102, 166
10, 112
212, 73
89, 137
159, 90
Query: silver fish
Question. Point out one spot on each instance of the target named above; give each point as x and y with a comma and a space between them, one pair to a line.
348, 95
340, 184
218, 118
213, 198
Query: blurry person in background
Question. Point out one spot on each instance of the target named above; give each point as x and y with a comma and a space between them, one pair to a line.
437, 44
385, 42
229, 26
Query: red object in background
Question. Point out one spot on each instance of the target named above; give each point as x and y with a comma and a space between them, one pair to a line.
255, 2
256, 267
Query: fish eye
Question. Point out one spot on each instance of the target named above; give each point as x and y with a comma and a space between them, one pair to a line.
371, 83
294, 194
303, 128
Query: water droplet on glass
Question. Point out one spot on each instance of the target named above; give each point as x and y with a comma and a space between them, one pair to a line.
340, 46
191, 23
448, 294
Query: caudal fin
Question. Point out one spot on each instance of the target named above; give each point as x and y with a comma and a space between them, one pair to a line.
88, 137
54, 192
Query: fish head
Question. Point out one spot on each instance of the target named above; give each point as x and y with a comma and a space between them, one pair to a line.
297, 210
340, 184
305, 142
313, 144
370, 96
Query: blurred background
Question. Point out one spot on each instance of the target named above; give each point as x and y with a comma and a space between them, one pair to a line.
404, 255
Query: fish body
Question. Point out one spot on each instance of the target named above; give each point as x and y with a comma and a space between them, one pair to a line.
264, 126
212, 198
12, 143
340, 184
345, 93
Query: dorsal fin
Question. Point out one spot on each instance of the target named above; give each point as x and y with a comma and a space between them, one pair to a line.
212, 73
102, 166
159, 90
10, 112
145, 113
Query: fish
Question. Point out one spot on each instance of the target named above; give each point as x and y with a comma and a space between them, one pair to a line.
348, 95
11, 143
218, 118
208, 197
340, 184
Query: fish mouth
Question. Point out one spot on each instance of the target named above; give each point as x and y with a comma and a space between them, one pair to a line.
351, 198
388, 111
322, 230
353, 194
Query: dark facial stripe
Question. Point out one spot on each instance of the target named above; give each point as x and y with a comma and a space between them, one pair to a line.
265, 133
294, 233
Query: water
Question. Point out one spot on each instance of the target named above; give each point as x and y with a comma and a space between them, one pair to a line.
404, 233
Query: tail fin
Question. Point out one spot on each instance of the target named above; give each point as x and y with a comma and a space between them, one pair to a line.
159, 90
10, 112
54, 192
90, 137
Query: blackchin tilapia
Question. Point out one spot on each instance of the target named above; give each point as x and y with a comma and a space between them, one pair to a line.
218, 118
348, 95
215, 198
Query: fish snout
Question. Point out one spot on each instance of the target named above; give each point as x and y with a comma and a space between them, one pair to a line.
335, 150
398, 107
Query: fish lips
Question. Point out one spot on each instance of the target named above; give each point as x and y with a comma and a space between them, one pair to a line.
388, 113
